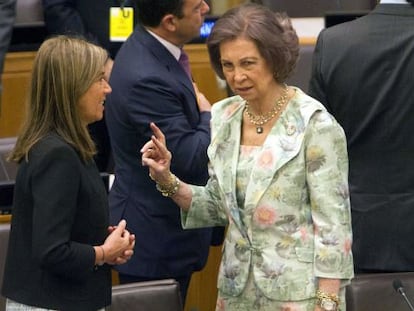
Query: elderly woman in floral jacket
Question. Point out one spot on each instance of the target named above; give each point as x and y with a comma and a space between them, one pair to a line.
278, 175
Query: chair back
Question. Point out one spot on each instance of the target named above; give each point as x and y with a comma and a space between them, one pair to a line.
316, 8
4, 242
8, 170
160, 295
375, 291
29, 12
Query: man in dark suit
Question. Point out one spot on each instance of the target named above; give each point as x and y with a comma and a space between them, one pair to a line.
363, 74
149, 85
7, 15
90, 19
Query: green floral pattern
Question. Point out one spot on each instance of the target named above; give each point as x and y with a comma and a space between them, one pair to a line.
293, 223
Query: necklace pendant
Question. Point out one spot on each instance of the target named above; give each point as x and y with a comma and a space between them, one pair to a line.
259, 129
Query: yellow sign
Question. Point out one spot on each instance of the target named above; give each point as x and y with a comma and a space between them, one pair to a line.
121, 23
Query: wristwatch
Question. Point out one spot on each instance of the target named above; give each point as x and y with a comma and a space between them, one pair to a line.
327, 302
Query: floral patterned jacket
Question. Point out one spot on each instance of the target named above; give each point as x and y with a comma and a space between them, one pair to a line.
298, 224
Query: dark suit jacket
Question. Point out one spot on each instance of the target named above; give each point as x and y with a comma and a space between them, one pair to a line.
59, 212
148, 85
7, 15
363, 73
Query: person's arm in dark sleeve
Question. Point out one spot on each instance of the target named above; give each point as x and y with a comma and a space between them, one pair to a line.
7, 15
316, 83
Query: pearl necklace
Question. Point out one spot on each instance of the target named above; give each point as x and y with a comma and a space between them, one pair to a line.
261, 119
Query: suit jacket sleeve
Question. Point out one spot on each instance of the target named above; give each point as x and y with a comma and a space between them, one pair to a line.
7, 14
62, 17
327, 179
316, 83
55, 187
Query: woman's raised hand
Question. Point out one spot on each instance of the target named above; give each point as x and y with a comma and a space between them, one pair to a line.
157, 157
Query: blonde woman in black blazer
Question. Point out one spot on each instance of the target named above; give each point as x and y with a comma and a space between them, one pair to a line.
61, 247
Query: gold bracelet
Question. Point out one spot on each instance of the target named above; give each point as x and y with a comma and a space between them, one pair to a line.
327, 301
170, 188
322, 295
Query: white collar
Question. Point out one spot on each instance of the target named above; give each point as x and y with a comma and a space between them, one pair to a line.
393, 2
174, 50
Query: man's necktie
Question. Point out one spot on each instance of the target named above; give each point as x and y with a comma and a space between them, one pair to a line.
183, 60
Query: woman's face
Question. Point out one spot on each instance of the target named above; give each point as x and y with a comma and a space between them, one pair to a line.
245, 70
91, 103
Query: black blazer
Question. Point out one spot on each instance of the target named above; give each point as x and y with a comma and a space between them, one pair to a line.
59, 212
148, 84
363, 73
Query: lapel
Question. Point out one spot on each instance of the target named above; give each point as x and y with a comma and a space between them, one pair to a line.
281, 145
164, 56
224, 152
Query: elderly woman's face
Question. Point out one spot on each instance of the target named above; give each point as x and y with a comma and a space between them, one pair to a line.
245, 70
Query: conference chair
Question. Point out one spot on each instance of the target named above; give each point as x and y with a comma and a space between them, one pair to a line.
4, 242
316, 8
381, 292
160, 295
29, 29
8, 170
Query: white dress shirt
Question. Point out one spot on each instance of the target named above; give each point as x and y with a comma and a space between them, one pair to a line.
174, 50
394, 2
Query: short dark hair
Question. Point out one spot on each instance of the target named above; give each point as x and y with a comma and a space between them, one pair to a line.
272, 33
151, 12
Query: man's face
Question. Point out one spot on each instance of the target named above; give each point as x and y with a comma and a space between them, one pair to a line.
188, 27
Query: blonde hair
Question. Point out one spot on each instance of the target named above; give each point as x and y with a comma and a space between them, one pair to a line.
64, 69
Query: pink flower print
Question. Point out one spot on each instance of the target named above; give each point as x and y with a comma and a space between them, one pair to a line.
347, 246
264, 216
290, 306
266, 159
247, 150
303, 233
